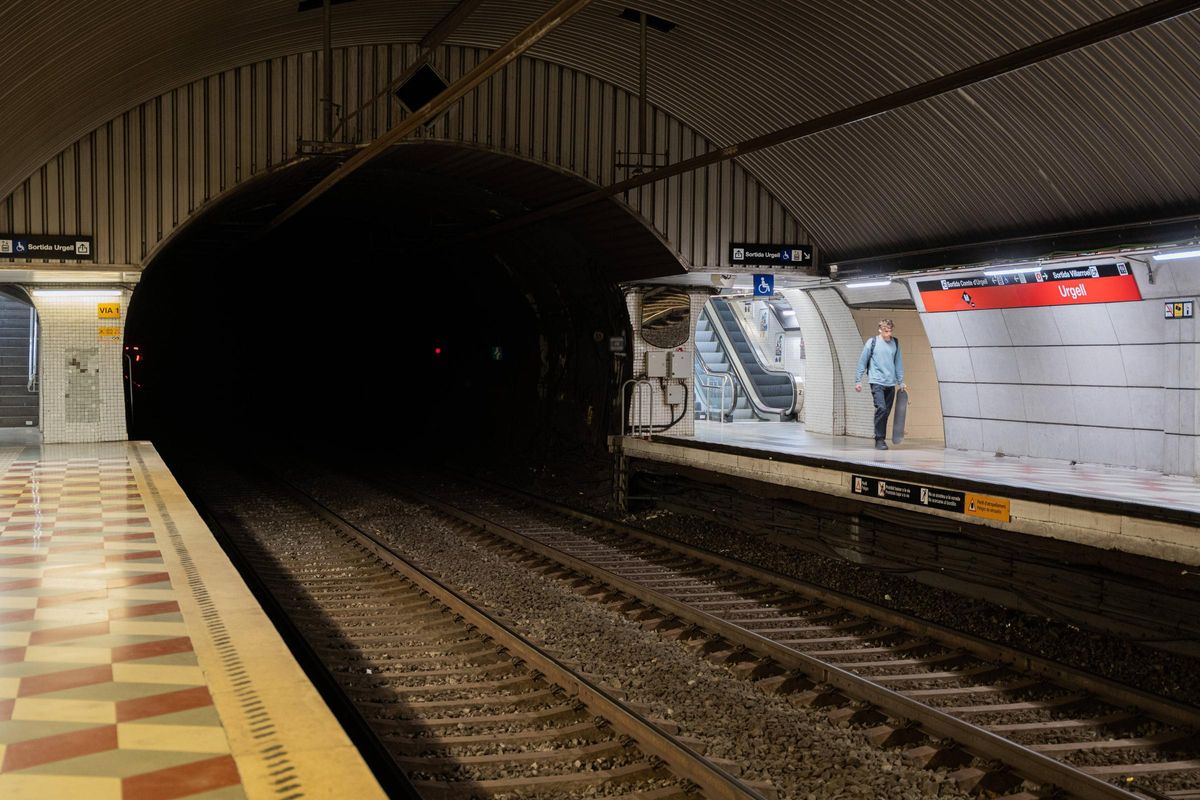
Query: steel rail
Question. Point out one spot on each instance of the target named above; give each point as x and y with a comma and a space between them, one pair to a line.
683, 761
1123, 23
1025, 761
556, 15
1164, 709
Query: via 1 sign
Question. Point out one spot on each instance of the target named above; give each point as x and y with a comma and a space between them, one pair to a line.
967, 503
55, 248
1064, 286
788, 256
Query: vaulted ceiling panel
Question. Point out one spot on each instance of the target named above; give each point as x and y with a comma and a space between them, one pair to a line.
1090, 137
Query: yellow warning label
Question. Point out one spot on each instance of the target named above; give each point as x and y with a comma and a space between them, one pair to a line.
108, 310
980, 505
1178, 313
110, 333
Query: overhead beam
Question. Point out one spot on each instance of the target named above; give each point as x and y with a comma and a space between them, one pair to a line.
436, 36
1146, 15
559, 13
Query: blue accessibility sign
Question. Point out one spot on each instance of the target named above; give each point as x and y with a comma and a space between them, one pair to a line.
764, 285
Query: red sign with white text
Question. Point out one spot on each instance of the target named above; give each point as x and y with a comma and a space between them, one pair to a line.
1106, 283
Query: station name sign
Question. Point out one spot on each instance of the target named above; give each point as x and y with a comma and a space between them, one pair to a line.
1066, 286
968, 503
58, 248
785, 256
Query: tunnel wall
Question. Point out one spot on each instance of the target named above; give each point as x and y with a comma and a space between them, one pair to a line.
135, 179
81, 369
1111, 383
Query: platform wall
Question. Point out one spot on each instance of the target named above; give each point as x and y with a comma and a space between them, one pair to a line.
81, 370
1107, 383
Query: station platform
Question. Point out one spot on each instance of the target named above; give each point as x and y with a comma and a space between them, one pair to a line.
134, 662
1134, 511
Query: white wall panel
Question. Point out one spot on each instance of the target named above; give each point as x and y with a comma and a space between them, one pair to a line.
1042, 365
995, 365
1001, 402
1081, 325
1049, 404
985, 328
953, 364
1053, 441
133, 180
1097, 365
1001, 436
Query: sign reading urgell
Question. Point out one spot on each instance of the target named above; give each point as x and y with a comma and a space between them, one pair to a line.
1066, 286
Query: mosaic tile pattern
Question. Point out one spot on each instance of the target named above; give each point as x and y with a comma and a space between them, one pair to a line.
101, 694
82, 393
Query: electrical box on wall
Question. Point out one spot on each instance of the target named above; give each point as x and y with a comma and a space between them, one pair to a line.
675, 394
656, 364
680, 363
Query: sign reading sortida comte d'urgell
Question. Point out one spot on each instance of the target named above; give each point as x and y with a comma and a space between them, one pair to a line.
19, 246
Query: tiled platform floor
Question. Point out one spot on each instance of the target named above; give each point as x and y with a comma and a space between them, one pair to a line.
1114, 483
133, 661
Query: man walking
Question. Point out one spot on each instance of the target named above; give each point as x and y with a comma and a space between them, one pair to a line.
881, 354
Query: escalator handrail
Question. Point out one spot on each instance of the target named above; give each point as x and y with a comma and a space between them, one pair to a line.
735, 363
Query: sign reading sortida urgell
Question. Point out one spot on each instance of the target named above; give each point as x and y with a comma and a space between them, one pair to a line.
39, 246
784, 256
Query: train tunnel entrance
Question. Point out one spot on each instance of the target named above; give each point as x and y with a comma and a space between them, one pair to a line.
385, 316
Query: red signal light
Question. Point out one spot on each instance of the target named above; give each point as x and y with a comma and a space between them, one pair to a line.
437, 351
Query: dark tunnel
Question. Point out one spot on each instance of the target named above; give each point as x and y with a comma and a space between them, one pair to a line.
383, 319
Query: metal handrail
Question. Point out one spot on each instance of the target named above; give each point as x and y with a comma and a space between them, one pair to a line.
736, 365
725, 378
636, 428
31, 375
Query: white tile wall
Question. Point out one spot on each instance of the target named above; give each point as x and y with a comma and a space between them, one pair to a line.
82, 396
638, 408
848, 344
819, 396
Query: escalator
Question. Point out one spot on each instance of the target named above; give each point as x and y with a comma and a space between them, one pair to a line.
767, 393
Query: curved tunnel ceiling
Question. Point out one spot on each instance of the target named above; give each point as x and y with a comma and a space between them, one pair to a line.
1100, 135
432, 195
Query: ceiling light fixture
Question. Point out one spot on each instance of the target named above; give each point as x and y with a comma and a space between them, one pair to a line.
1012, 270
1176, 255
76, 292
865, 284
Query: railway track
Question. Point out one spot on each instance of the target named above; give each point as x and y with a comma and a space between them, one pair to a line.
462, 704
1011, 723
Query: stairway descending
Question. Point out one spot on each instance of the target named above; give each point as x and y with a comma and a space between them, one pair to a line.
708, 348
18, 406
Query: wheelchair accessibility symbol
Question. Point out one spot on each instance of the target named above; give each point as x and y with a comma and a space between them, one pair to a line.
764, 285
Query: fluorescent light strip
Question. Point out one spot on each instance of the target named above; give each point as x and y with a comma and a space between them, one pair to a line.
1013, 271
865, 284
1176, 255
76, 292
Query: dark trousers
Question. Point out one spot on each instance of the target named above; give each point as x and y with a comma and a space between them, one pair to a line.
883, 397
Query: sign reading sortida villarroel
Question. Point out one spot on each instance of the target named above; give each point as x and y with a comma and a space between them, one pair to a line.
44, 246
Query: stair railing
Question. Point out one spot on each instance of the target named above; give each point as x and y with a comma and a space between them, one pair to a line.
31, 377
707, 379
636, 408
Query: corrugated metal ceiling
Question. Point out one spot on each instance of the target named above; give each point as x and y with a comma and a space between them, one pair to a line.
1095, 136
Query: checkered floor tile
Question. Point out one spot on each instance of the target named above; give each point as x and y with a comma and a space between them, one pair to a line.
100, 692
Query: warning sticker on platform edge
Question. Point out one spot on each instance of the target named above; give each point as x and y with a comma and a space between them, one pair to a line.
980, 505
108, 310
110, 333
